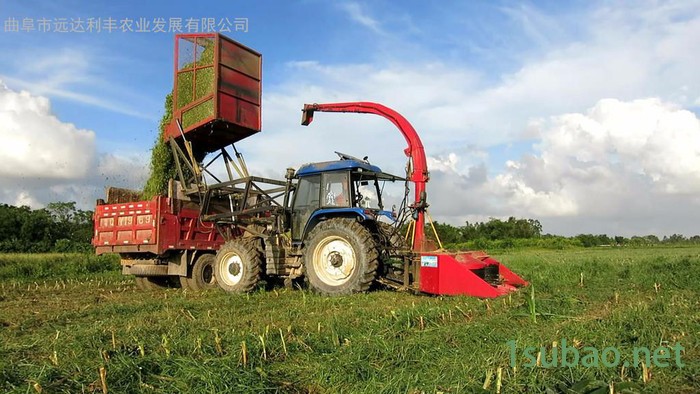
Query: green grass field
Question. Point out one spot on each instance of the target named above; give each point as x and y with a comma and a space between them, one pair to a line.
65, 319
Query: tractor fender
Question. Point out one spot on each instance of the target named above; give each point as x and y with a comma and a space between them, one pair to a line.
322, 214
388, 214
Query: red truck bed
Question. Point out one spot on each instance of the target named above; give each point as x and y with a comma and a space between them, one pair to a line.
155, 226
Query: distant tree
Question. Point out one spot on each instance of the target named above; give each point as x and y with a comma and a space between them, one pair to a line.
71, 223
448, 233
587, 240
674, 239
514, 232
652, 239
494, 229
619, 240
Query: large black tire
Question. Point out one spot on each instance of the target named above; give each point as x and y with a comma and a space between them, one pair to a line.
340, 257
238, 265
155, 282
392, 238
201, 274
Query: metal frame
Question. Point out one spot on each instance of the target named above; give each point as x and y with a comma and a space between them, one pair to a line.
239, 193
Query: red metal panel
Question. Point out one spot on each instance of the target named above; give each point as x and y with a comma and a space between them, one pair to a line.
168, 227
151, 226
240, 112
194, 234
128, 224
239, 85
239, 57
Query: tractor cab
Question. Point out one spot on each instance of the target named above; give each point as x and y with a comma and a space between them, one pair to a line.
349, 187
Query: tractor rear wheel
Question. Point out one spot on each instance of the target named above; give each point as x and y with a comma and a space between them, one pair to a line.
201, 274
238, 265
340, 257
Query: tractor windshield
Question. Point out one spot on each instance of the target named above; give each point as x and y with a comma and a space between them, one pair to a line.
368, 187
367, 192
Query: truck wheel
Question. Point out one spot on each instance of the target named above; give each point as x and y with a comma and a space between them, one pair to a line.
341, 257
201, 274
153, 282
238, 264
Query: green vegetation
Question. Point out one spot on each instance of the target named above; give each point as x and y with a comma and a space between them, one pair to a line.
493, 229
58, 332
60, 227
54, 266
198, 113
162, 161
513, 233
195, 84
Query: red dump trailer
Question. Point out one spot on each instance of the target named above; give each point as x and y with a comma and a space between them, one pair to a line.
158, 226
160, 241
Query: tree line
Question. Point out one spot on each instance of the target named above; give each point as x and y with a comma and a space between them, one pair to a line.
62, 227
513, 232
59, 227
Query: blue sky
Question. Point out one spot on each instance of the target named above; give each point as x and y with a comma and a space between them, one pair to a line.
506, 95
131, 72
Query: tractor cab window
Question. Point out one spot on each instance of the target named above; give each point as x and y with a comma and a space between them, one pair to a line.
306, 201
336, 191
367, 192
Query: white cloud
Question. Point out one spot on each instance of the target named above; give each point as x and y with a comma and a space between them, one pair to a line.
128, 171
443, 163
24, 198
609, 151
46, 159
36, 144
631, 167
359, 15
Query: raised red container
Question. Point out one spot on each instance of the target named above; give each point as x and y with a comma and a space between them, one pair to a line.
217, 91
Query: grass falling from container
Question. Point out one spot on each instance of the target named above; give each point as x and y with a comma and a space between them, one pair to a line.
162, 165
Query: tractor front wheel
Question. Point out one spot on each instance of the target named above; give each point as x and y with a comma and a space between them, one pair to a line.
238, 265
340, 257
